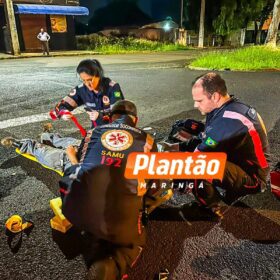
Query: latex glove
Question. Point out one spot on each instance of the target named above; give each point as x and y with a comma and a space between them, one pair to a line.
93, 115
66, 117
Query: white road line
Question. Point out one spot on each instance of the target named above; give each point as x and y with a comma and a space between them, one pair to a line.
31, 119
45, 116
24, 120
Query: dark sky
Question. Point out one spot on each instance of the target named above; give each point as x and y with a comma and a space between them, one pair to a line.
156, 9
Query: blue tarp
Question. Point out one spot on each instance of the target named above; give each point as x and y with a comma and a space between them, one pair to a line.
50, 10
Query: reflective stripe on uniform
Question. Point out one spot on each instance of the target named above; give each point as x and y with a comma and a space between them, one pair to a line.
70, 101
85, 146
253, 133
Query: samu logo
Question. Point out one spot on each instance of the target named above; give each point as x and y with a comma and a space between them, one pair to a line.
117, 140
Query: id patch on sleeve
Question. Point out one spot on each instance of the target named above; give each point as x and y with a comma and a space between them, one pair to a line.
117, 94
72, 92
211, 143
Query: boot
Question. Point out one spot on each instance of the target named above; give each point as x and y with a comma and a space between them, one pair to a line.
9, 142
47, 127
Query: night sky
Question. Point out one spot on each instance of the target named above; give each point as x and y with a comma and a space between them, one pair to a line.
156, 9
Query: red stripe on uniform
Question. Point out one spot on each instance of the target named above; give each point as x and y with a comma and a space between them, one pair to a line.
197, 195
253, 133
250, 187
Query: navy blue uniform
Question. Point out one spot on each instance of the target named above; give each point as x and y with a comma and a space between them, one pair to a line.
101, 200
238, 130
112, 140
108, 94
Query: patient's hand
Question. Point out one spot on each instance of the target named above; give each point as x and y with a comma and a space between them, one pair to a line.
71, 152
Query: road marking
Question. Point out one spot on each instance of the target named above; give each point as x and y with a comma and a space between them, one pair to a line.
31, 119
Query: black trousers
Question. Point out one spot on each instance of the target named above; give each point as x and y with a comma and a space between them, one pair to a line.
235, 184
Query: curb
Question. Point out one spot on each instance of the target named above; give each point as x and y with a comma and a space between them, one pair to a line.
231, 70
51, 55
211, 69
198, 68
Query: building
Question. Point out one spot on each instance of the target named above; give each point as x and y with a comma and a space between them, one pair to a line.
55, 16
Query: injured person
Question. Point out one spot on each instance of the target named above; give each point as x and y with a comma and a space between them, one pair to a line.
53, 151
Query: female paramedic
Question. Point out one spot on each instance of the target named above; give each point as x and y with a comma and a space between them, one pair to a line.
97, 93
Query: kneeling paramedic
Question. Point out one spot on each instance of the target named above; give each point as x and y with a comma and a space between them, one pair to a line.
98, 198
231, 127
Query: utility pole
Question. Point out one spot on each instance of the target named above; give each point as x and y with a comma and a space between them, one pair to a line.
201, 25
182, 32
12, 28
182, 12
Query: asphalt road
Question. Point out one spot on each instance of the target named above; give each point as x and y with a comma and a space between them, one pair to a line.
244, 245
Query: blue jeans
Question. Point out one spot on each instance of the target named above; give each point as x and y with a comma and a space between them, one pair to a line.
52, 154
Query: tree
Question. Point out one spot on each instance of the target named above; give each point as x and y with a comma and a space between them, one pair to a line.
235, 14
273, 28
201, 25
192, 16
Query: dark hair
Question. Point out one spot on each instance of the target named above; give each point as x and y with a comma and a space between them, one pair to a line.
212, 82
124, 107
91, 67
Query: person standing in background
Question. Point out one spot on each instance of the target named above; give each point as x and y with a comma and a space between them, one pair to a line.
44, 38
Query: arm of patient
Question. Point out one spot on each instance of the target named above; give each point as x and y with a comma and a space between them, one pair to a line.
72, 154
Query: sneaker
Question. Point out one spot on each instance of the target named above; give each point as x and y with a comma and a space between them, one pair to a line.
9, 142
47, 127
196, 212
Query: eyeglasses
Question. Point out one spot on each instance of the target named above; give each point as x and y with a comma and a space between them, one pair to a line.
86, 82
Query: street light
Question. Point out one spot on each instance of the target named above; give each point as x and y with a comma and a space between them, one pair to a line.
168, 24
167, 27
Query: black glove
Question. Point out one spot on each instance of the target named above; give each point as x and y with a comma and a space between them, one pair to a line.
190, 145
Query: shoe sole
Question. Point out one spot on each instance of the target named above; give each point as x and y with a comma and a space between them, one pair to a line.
7, 142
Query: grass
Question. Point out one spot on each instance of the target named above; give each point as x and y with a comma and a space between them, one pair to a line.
115, 45
249, 58
116, 49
